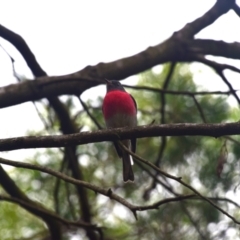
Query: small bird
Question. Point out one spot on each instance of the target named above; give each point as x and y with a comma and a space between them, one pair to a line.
120, 110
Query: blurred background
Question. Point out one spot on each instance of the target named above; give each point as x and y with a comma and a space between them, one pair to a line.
65, 37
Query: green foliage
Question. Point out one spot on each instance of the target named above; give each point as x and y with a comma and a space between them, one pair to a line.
17, 223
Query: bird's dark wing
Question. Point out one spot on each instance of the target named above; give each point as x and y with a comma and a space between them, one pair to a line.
133, 144
134, 101
118, 149
133, 140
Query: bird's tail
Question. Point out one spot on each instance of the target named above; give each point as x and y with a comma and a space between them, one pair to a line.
127, 167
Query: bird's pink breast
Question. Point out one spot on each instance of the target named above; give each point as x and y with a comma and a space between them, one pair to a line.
118, 102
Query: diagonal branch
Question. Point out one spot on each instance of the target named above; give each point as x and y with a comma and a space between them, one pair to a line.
219, 68
200, 110
213, 64
19, 43
236, 9
105, 192
162, 121
95, 121
11, 188
41, 211
221, 7
220, 73
193, 221
179, 180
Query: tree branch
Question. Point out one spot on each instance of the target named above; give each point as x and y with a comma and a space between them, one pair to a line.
77, 83
213, 47
106, 192
236, 9
19, 43
181, 129
109, 193
48, 213
173, 49
179, 180
186, 93
221, 7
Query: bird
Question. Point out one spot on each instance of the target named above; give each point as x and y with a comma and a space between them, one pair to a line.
120, 110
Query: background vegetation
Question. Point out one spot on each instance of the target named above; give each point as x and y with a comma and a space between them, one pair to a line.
35, 204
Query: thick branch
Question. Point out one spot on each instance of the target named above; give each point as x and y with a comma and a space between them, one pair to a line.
76, 83
236, 9
213, 47
173, 49
181, 129
19, 43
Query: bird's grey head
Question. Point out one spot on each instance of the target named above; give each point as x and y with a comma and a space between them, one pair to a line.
114, 85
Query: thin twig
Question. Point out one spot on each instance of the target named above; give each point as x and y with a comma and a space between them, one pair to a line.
56, 190
213, 64
199, 109
162, 121
172, 92
165, 86
192, 220
89, 114
233, 92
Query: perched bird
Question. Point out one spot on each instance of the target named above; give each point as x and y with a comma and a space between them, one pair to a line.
120, 110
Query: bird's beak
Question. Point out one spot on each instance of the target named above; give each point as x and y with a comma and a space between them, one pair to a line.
107, 81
